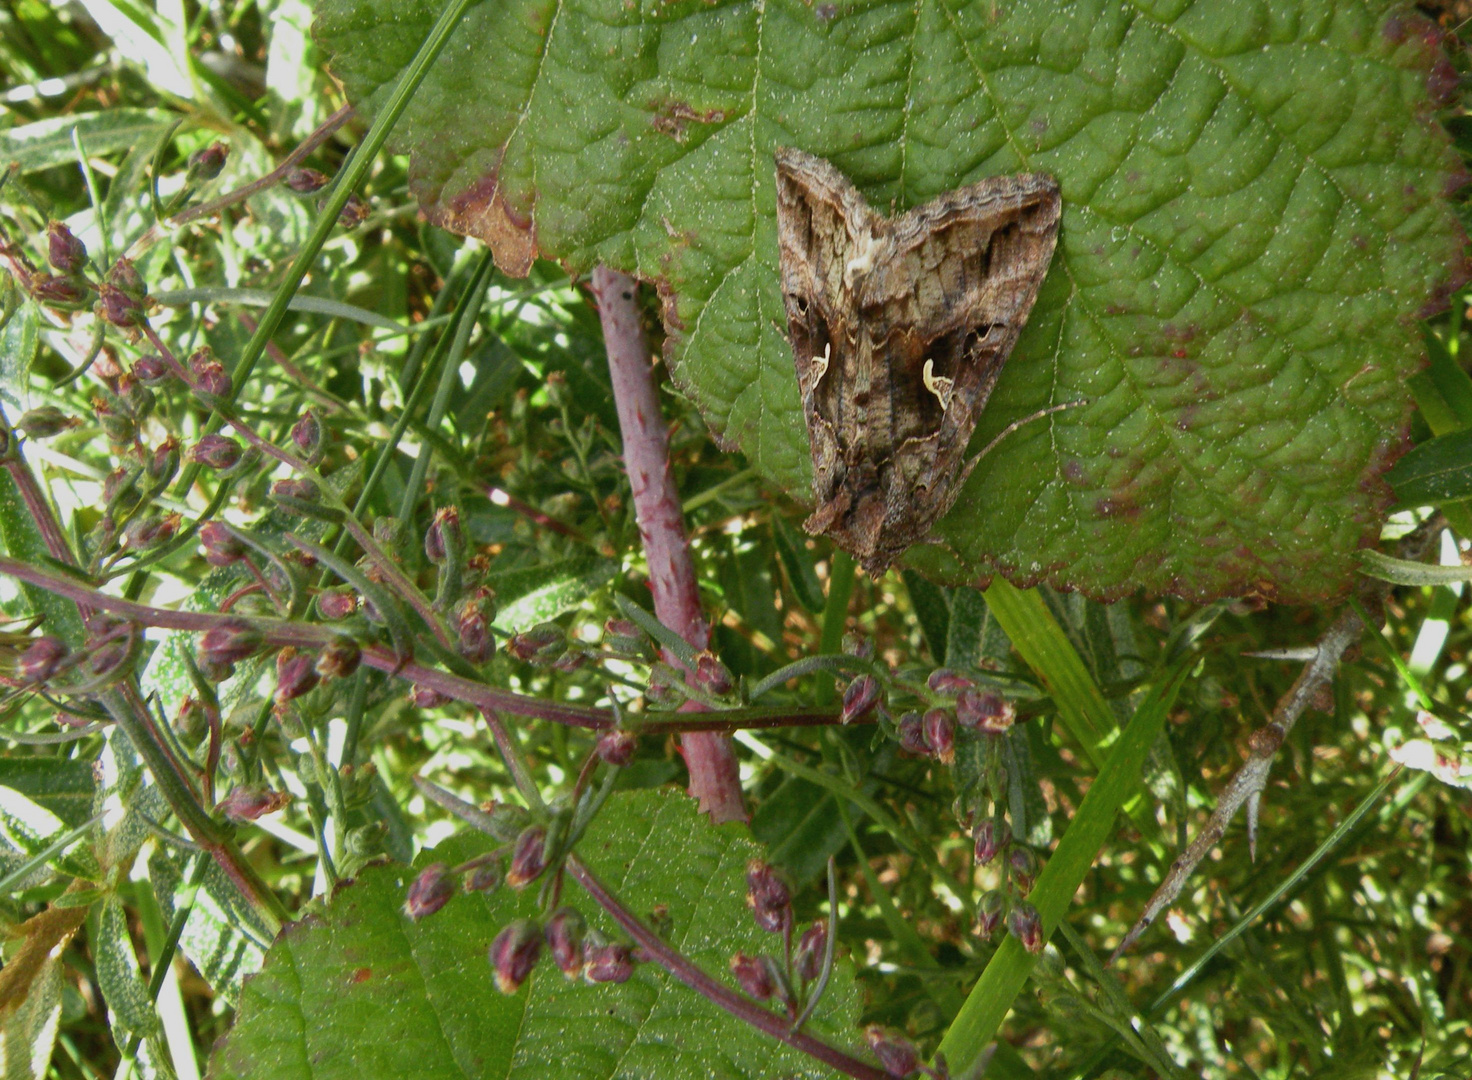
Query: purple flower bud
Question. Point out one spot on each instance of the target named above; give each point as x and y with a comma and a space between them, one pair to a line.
296, 674
571, 660
305, 181
427, 697
446, 521
41, 658
940, 735
1026, 925
540, 645
946, 681
163, 463
118, 308
753, 976
306, 433
514, 953
303, 491
354, 213
338, 603
431, 890
339, 658
63, 250
485, 878
622, 636
124, 277
150, 530
661, 690
206, 164
221, 546
711, 675
211, 380
119, 427
991, 837
51, 289
1023, 863
248, 803
990, 912
617, 747
808, 961
609, 963
987, 713
564, 932
912, 735
229, 643
216, 451
859, 699
528, 857
473, 617
151, 370
897, 1055
768, 897
44, 422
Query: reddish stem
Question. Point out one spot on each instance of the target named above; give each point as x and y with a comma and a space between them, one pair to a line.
715, 779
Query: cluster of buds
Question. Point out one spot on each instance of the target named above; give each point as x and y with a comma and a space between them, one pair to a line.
69, 286
768, 897
1024, 922
930, 735
578, 951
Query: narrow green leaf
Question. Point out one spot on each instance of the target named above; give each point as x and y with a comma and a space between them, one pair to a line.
18, 340
933, 612
527, 597
1404, 572
117, 973
1438, 470
797, 562
47, 143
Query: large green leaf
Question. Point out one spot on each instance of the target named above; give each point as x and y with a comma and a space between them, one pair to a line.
361, 991
1253, 210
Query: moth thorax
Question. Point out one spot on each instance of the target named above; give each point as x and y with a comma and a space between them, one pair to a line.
862, 263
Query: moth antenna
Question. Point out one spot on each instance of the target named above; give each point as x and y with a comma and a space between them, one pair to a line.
1009, 429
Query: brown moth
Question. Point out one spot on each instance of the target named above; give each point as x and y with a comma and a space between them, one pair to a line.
900, 327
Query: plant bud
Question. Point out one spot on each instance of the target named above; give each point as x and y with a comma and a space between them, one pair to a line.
991, 837
990, 912
753, 976
622, 636
118, 308
338, 603
514, 953
216, 452
211, 380
1023, 863
540, 645
807, 963
859, 699
206, 164
339, 658
63, 250
940, 735
41, 658
661, 689
431, 890
306, 434
473, 617
221, 546
229, 643
984, 712
354, 212
711, 675
897, 1054
150, 530
1026, 925
946, 681
564, 933
305, 181
292, 493
124, 277
528, 857
53, 290
436, 543
617, 747
44, 422
485, 878
151, 370
426, 697
296, 674
120, 428
609, 964
163, 463
912, 735
768, 897
248, 803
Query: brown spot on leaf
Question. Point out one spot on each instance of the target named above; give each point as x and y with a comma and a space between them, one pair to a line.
361, 975
481, 211
671, 117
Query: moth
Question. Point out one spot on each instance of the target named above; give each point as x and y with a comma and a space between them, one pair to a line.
899, 328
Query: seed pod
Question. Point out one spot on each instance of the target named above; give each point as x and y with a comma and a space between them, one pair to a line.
53, 290
216, 451
990, 912
221, 546
1026, 925
124, 277
296, 674
431, 890
293, 490
528, 857
623, 636
608, 963
120, 428
339, 658
1023, 863
163, 463
44, 422
946, 681
564, 932
151, 370
211, 380
897, 1054
940, 735
229, 643
912, 735
859, 699
436, 541
984, 712
248, 803
305, 181
63, 250
617, 747
42, 658
991, 837
117, 307
711, 675
150, 531
540, 645
473, 617
338, 603
768, 897
306, 434
485, 878
753, 976
514, 953
807, 963
207, 163
426, 697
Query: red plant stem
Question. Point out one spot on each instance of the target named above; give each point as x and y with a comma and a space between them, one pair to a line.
703, 984
277, 633
715, 779
527, 510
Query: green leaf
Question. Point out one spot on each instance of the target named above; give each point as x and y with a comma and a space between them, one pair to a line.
527, 597
212, 938
47, 143
18, 339
28, 1028
61, 785
1253, 210
31, 828
359, 990
933, 612
1438, 470
797, 563
117, 973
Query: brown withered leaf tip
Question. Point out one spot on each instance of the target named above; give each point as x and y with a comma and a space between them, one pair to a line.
900, 327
